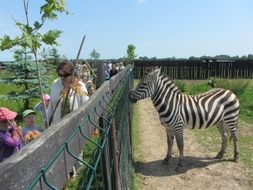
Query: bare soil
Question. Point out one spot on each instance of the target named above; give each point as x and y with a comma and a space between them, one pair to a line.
200, 170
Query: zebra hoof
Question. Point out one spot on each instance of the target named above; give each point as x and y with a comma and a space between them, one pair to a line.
236, 157
218, 156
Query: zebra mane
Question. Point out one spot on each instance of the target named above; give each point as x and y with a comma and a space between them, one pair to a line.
150, 70
163, 77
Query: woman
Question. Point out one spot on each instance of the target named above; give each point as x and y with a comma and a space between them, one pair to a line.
60, 105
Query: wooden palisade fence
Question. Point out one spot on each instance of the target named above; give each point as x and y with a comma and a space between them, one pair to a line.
198, 69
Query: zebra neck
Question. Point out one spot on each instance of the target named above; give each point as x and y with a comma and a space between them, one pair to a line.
165, 90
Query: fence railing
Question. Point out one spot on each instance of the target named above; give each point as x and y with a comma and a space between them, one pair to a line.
198, 69
45, 162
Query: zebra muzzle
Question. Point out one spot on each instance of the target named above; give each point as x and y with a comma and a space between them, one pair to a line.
131, 97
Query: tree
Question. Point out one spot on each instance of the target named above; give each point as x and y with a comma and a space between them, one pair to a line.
30, 38
250, 56
94, 55
143, 58
22, 73
45, 54
130, 53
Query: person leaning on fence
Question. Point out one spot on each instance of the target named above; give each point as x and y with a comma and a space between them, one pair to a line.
113, 71
121, 67
40, 107
9, 138
59, 104
67, 94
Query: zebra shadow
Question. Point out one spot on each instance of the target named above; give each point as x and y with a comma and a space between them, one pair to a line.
156, 168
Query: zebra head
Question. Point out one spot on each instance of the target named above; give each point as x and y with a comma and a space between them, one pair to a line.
146, 86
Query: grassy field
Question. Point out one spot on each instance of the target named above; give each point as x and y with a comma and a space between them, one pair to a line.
15, 105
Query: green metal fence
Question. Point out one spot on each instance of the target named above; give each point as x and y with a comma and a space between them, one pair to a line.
45, 163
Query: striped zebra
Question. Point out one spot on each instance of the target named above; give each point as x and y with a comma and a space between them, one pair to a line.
178, 111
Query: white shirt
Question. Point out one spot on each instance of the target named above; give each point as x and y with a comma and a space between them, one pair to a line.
74, 103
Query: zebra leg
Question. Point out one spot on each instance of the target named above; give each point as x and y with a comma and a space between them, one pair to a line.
180, 144
224, 136
233, 133
170, 142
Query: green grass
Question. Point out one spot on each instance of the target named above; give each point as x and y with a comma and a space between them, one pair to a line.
88, 151
137, 157
210, 138
17, 105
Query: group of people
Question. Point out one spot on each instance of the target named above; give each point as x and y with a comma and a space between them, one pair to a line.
67, 94
13, 137
113, 69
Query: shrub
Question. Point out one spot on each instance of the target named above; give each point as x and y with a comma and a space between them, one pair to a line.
181, 85
199, 88
238, 86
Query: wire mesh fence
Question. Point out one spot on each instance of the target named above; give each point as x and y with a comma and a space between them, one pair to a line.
106, 159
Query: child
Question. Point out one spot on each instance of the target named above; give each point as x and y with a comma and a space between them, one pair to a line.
40, 107
89, 82
31, 130
90, 89
9, 139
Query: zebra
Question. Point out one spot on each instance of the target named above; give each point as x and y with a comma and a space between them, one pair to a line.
178, 111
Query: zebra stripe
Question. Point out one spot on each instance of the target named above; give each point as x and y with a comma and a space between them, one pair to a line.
178, 111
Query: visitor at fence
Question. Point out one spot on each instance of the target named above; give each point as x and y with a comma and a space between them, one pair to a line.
40, 107
121, 67
89, 83
107, 71
85, 73
117, 66
9, 138
113, 71
91, 90
30, 130
61, 105
67, 94
110, 65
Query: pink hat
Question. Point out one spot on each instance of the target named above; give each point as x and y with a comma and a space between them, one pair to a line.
46, 97
6, 114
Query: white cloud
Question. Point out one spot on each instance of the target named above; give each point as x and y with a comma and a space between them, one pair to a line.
150, 44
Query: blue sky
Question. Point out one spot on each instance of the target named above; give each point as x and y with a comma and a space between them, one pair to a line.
157, 28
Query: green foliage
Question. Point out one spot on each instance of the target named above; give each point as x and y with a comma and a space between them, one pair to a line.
130, 52
94, 55
181, 84
212, 81
30, 39
198, 88
23, 75
237, 86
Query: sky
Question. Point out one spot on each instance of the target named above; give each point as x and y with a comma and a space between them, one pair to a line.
157, 28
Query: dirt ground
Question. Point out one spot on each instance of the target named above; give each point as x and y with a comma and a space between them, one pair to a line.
200, 172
